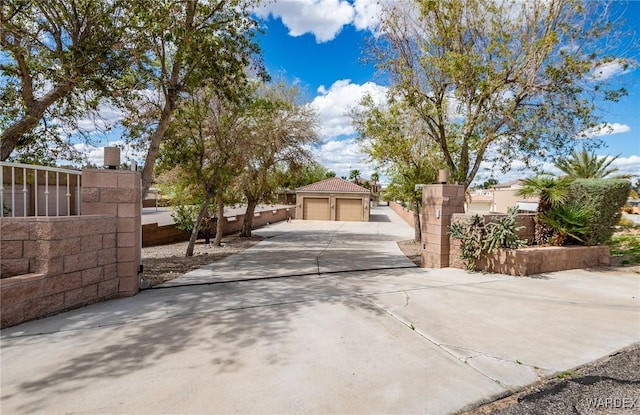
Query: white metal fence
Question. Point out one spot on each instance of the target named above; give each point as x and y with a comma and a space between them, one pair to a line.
28, 190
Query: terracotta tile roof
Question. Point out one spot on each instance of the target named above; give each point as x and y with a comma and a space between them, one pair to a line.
334, 184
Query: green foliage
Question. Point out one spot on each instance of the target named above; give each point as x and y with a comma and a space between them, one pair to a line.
397, 142
489, 183
59, 59
552, 192
503, 233
471, 233
585, 165
507, 78
569, 222
477, 238
603, 197
184, 216
626, 246
298, 176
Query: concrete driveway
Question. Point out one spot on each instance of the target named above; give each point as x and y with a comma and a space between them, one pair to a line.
394, 340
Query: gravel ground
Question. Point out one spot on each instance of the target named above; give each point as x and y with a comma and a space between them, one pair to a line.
607, 386
166, 262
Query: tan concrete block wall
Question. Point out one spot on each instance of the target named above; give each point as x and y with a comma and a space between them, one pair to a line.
118, 193
153, 235
63, 269
439, 204
51, 264
533, 260
404, 213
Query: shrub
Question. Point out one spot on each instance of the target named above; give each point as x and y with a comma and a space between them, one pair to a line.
184, 216
603, 197
478, 239
569, 223
470, 232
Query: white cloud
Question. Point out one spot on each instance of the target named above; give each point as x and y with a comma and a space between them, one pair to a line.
627, 165
342, 156
610, 69
322, 18
333, 105
95, 154
367, 15
605, 129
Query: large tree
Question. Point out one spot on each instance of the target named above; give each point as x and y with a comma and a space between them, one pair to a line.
57, 59
498, 80
190, 44
283, 129
205, 143
394, 138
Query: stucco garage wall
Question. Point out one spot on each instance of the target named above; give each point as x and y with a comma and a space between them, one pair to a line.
333, 200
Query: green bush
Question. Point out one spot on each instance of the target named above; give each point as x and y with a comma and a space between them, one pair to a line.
184, 216
604, 198
569, 222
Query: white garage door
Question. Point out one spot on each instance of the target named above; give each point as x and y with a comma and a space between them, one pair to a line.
349, 209
316, 208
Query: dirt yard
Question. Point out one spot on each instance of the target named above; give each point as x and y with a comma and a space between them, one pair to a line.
166, 262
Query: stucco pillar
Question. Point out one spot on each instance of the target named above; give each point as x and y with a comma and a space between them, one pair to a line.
439, 202
118, 193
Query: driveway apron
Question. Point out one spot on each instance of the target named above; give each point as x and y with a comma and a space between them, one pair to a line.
393, 339
312, 248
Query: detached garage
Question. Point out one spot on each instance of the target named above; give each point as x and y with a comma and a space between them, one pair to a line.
333, 199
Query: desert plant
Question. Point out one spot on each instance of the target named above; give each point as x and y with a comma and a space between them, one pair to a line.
585, 165
478, 239
470, 232
503, 233
551, 192
569, 222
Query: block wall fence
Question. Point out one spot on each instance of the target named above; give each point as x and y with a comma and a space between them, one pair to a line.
444, 204
53, 264
152, 234
403, 212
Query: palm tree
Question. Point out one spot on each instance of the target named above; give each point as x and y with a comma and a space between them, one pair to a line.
585, 165
552, 192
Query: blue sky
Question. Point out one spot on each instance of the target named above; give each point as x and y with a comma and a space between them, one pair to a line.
320, 44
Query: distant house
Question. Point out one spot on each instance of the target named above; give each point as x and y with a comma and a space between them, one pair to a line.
480, 202
333, 199
505, 195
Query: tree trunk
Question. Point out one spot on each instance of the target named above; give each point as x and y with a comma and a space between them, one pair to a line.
220, 217
196, 225
156, 139
247, 224
11, 137
417, 226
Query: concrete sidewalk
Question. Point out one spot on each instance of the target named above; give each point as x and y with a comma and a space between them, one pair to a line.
384, 341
